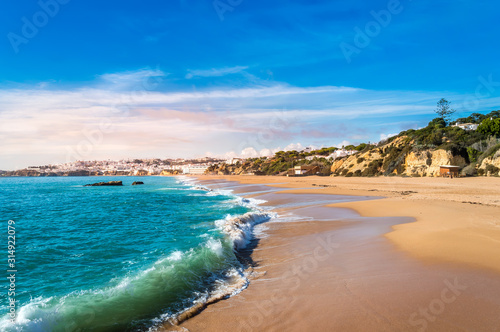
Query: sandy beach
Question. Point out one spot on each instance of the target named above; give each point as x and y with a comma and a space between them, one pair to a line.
370, 254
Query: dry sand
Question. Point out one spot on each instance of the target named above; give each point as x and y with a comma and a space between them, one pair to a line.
435, 270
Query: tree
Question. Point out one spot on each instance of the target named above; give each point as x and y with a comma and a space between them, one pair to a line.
437, 123
490, 127
444, 110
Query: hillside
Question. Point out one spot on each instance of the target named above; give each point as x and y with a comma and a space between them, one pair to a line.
410, 153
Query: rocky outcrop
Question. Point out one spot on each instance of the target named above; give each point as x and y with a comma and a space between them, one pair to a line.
337, 164
385, 159
224, 169
23, 172
110, 183
167, 172
398, 157
35, 173
490, 165
135, 183
428, 162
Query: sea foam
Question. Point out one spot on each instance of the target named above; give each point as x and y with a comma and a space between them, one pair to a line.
239, 229
174, 286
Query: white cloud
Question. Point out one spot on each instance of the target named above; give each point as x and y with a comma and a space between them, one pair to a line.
39, 122
383, 137
267, 152
294, 147
134, 76
214, 72
343, 143
249, 153
143, 79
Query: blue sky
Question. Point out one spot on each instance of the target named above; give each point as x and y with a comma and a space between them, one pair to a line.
233, 77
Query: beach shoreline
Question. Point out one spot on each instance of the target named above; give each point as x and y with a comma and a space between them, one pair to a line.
440, 213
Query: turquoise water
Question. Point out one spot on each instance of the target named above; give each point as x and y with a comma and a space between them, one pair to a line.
118, 258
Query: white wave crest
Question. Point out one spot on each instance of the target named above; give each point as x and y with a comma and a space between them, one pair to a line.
215, 246
239, 229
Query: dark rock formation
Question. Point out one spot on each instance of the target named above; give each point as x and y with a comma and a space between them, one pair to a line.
137, 182
110, 183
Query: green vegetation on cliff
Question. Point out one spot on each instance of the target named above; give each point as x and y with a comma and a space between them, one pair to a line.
469, 148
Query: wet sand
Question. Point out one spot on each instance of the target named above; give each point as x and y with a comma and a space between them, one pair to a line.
407, 263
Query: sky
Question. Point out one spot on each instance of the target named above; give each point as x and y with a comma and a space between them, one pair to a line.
97, 80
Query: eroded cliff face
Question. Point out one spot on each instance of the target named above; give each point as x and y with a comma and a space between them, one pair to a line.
229, 170
386, 159
427, 162
490, 161
166, 172
398, 158
490, 165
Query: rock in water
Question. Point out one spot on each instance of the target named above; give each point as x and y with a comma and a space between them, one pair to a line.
110, 183
137, 182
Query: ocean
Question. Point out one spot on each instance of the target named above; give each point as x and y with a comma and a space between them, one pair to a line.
121, 258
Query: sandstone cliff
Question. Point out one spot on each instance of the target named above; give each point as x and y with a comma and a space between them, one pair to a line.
386, 159
490, 165
398, 157
224, 169
427, 162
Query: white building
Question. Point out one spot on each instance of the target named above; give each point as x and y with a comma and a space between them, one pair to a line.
233, 161
340, 153
306, 150
466, 126
194, 169
315, 156
173, 168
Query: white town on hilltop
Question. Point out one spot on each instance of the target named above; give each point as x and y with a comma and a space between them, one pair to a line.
152, 166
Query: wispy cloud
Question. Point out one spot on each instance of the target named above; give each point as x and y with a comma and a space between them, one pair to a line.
214, 72
129, 79
39, 123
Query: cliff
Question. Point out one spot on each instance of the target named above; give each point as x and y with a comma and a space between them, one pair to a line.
398, 157
225, 169
490, 165
166, 172
427, 162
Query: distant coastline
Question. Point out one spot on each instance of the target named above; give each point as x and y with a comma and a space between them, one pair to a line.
30, 173
130, 167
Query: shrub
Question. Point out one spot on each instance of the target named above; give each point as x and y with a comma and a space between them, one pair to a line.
360, 160
395, 158
492, 169
489, 127
489, 153
469, 170
348, 175
473, 154
373, 168
325, 170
